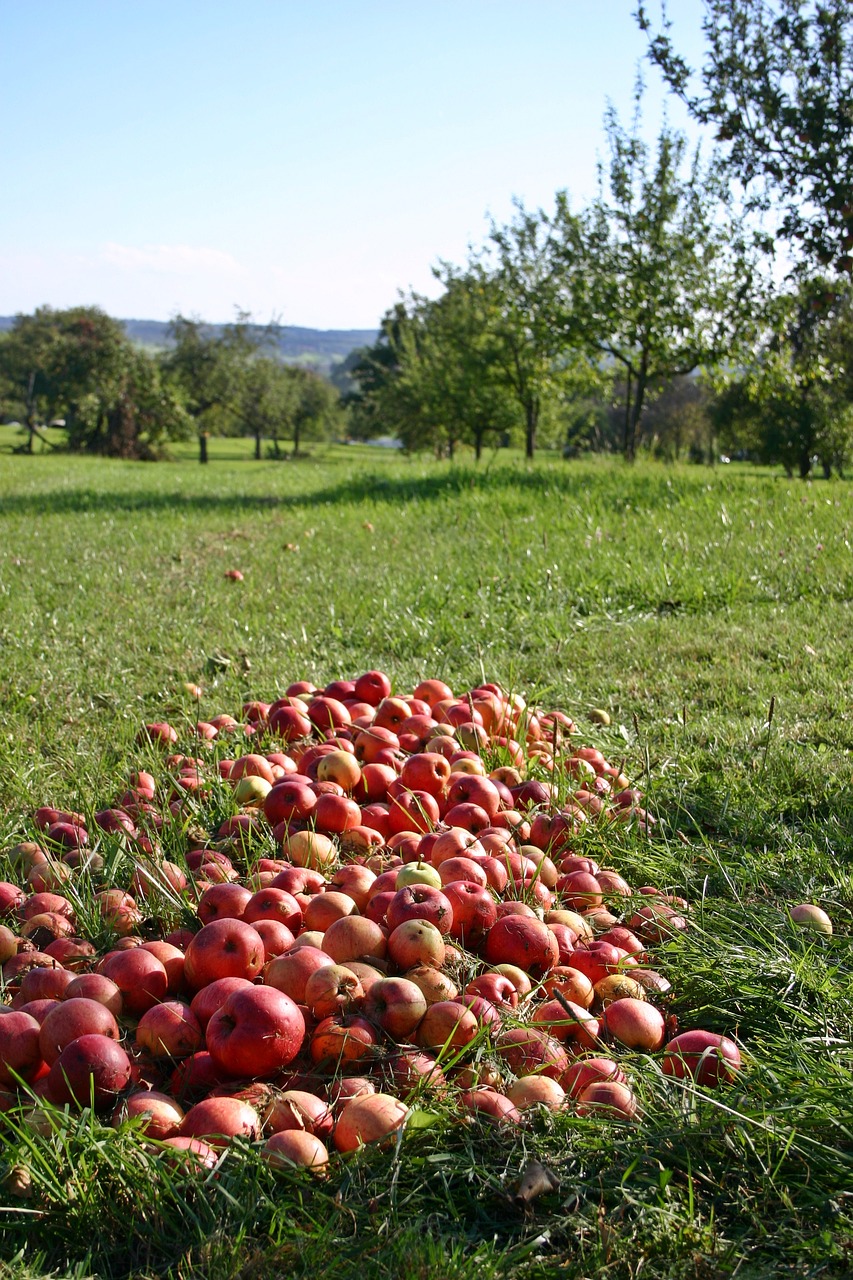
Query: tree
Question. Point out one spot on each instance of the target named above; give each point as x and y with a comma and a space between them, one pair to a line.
79, 365
449, 387
465, 359
678, 418
136, 421
26, 389
655, 276
374, 371
435, 377
316, 411
208, 365
524, 288
777, 84
792, 401
266, 401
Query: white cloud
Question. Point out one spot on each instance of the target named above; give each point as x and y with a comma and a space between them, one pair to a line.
170, 259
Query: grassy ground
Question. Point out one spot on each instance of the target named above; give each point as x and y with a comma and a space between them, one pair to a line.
687, 602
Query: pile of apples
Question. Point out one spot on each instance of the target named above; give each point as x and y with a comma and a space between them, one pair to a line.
395, 909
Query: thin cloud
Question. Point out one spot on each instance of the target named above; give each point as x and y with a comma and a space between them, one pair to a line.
170, 259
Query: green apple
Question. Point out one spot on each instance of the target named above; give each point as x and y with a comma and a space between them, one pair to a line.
418, 873
251, 789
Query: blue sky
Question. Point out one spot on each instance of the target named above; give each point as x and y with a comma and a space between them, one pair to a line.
304, 160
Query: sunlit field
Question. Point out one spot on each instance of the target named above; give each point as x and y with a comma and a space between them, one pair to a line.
708, 611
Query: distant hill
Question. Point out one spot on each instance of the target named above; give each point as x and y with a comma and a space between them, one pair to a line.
321, 348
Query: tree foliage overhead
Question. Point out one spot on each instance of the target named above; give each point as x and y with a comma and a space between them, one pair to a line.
777, 84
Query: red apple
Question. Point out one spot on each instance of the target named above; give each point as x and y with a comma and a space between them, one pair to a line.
420, 902
709, 1058
256, 1032
170, 1030
71, 1019
342, 1040
397, 1006
139, 975
220, 1120
354, 937
223, 949
92, 1068
20, 1051
522, 941
474, 912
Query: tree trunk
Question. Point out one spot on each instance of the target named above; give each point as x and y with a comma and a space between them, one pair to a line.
202, 447
478, 443
31, 411
532, 413
626, 434
297, 431
257, 446
636, 414
805, 464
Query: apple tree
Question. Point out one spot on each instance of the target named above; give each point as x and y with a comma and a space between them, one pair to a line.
791, 401
776, 83
450, 373
521, 278
655, 278
373, 371
316, 412
27, 388
265, 401
207, 365
79, 365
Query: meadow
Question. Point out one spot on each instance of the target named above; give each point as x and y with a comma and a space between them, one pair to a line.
710, 611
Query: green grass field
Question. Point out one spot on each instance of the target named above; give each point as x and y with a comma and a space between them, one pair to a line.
685, 601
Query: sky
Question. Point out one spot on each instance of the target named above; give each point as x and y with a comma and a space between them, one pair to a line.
302, 160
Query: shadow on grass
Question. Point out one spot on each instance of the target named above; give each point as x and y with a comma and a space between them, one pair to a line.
367, 487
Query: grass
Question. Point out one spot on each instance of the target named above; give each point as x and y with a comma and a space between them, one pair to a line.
688, 602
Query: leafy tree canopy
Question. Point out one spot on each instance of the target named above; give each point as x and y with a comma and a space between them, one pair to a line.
791, 401
655, 276
80, 366
777, 83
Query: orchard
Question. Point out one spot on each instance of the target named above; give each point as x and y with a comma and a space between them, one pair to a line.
296, 927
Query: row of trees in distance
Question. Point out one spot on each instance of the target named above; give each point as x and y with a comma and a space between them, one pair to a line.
563, 316
653, 317
78, 366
